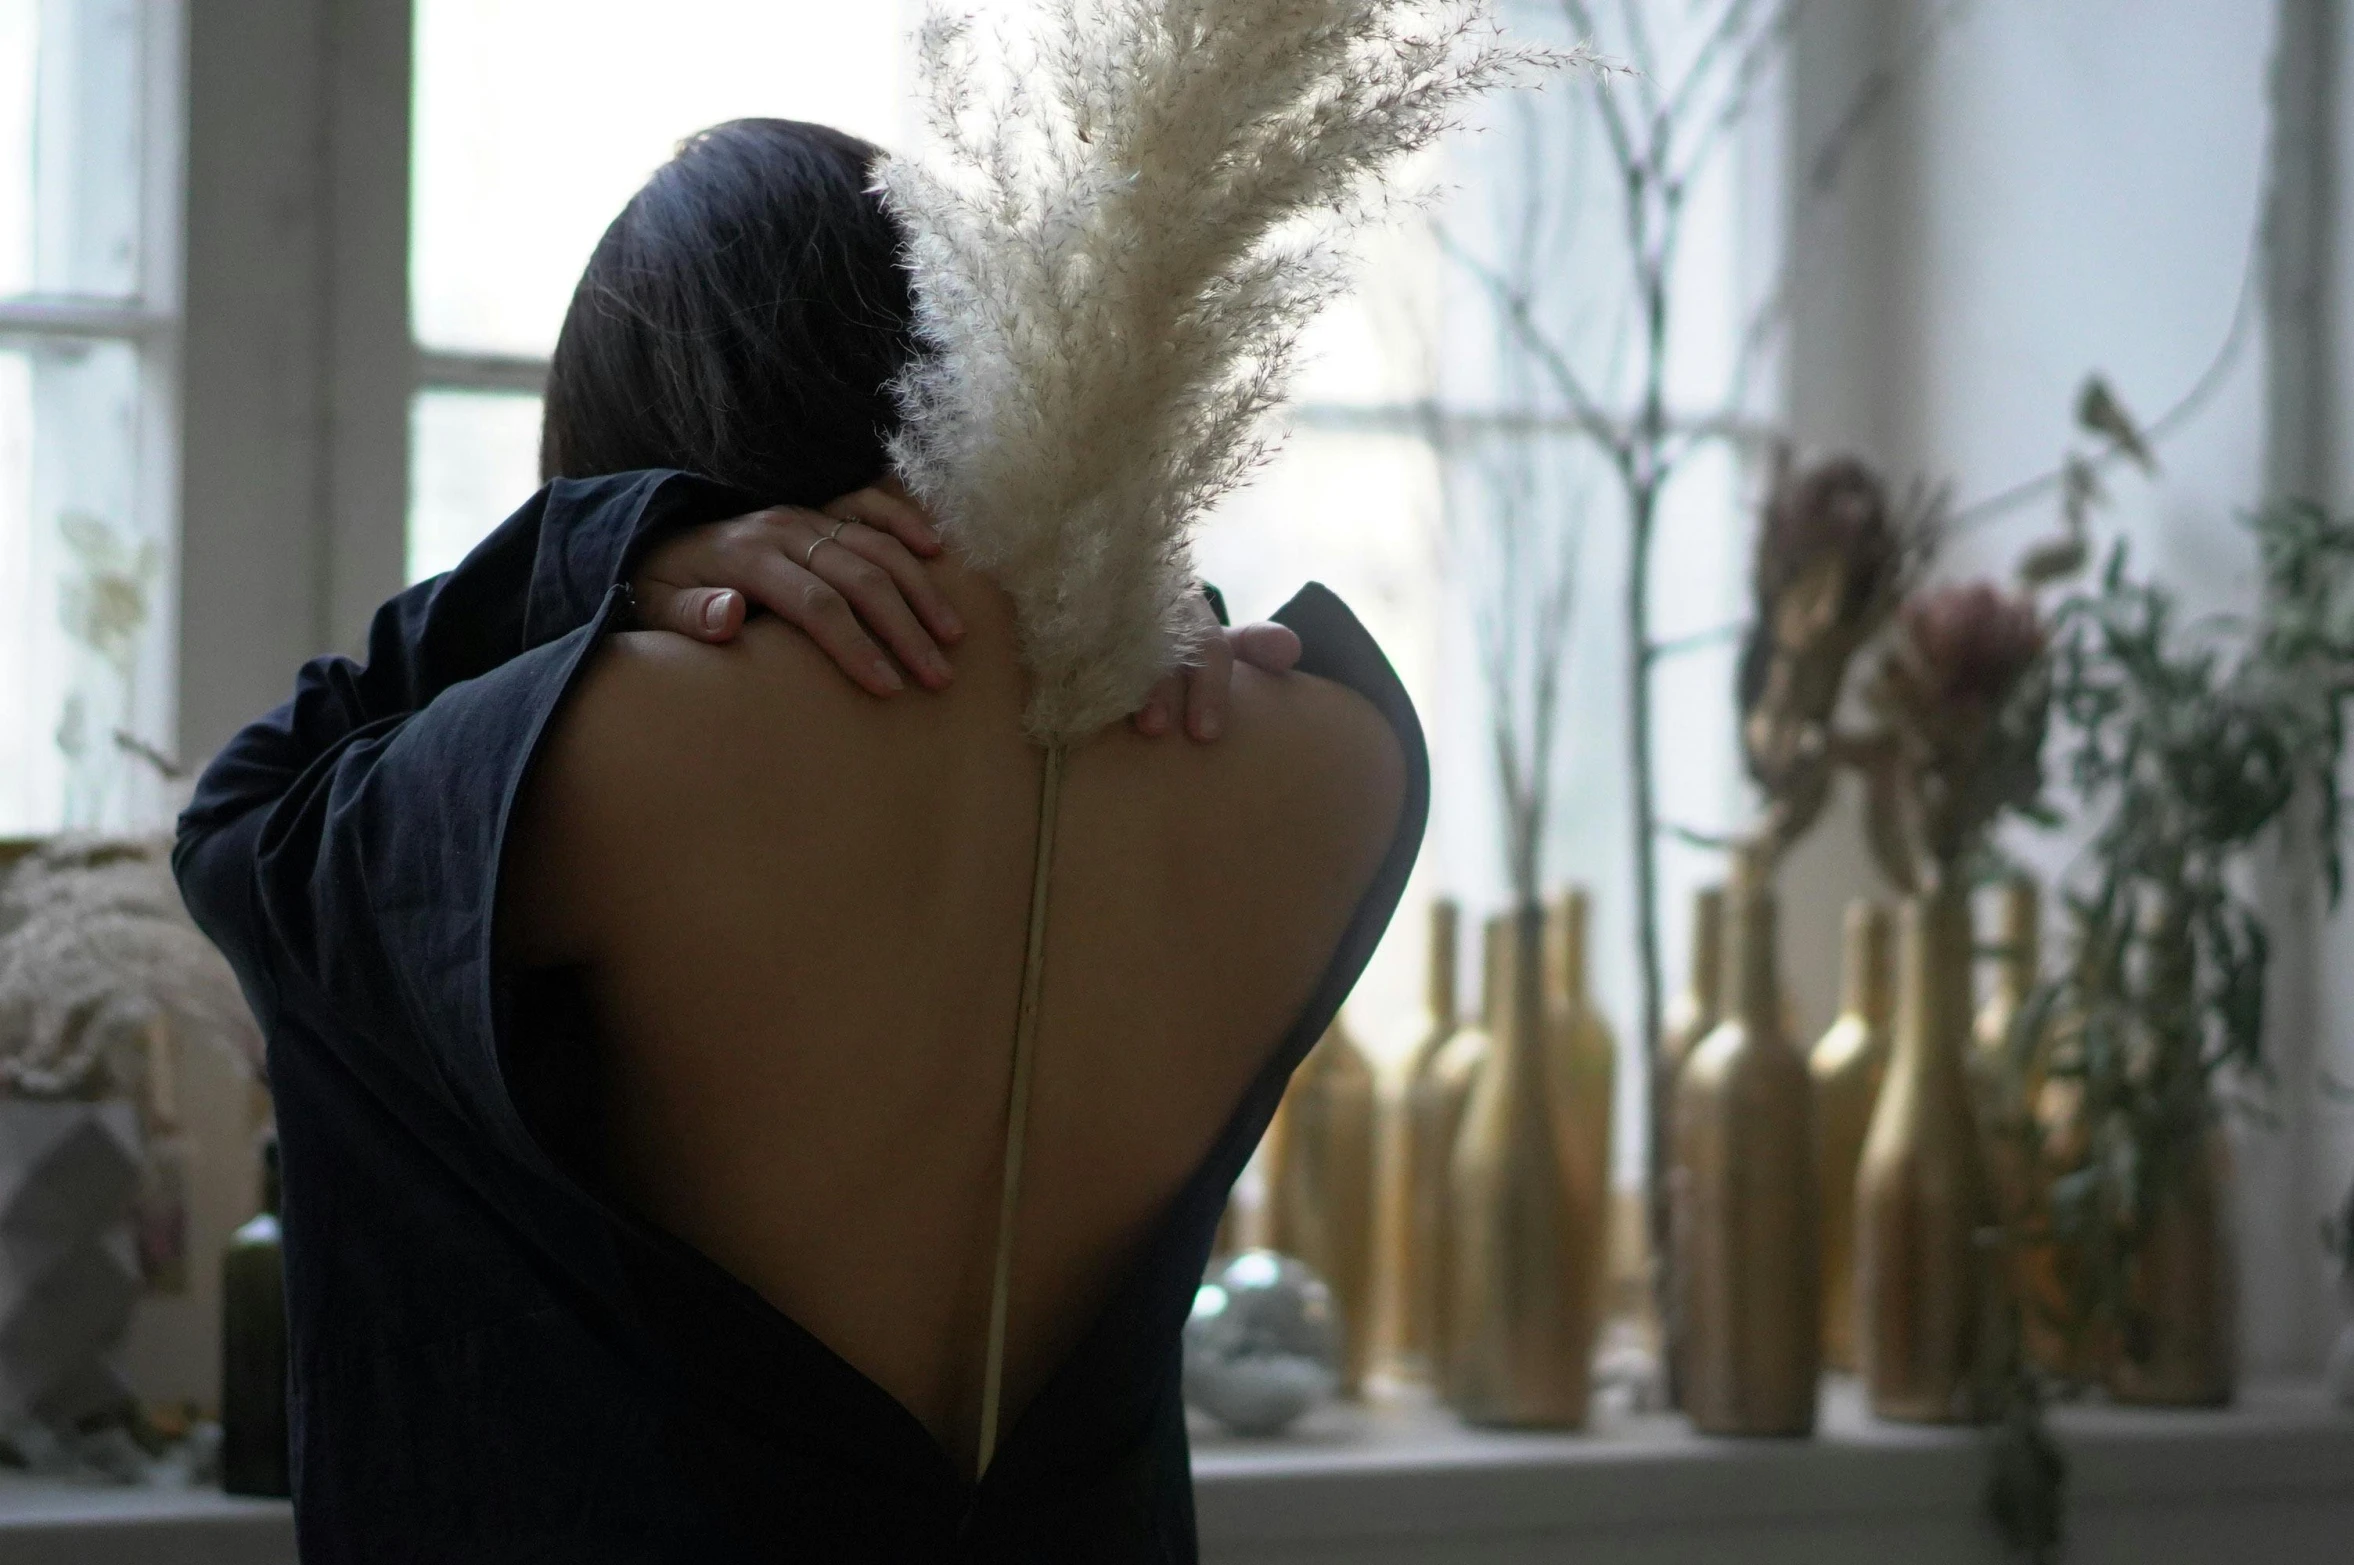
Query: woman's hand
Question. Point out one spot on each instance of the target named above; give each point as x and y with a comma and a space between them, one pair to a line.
1200, 692
855, 572
843, 577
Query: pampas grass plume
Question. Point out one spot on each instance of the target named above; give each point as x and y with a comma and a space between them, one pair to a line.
1115, 249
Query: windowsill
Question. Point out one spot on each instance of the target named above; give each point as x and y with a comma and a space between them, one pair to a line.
1398, 1483
1408, 1483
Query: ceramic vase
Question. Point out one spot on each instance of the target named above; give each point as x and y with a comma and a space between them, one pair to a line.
1320, 1191
1588, 1064
1848, 1064
1431, 1107
2177, 1345
69, 1262
1528, 1223
1927, 1277
1747, 1273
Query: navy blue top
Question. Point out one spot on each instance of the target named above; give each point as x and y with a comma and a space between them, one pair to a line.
492, 1363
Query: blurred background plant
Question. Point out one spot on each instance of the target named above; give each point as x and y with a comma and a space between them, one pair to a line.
2188, 742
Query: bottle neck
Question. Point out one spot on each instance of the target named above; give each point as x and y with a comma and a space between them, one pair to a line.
1756, 997
1439, 981
1566, 949
1708, 956
2022, 962
1933, 1002
1496, 937
1867, 992
273, 1187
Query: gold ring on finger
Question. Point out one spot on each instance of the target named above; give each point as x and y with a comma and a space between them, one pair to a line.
818, 543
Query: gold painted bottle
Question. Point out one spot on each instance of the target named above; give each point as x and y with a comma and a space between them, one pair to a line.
2178, 1344
1428, 1114
1848, 1064
1320, 1185
1692, 1016
1448, 1082
2003, 1093
2175, 1347
1926, 1280
1747, 1273
1589, 1062
2016, 974
1527, 1224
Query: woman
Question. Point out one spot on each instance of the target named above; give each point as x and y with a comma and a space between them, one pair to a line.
639, 1009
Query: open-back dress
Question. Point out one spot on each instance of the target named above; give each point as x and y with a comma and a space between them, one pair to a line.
491, 1360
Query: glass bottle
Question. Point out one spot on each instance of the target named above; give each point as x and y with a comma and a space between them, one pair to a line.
1848, 1063
1528, 1223
1748, 1276
1925, 1277
254, 1449
1320, 1185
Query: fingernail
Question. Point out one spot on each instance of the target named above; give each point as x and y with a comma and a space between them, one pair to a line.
950, 622
1206, 725
1154, 721
887, 676
715, 611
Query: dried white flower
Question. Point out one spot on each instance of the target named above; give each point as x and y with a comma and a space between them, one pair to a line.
1113, 258
95, 949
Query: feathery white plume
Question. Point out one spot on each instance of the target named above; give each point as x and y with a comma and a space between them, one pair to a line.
1113, 259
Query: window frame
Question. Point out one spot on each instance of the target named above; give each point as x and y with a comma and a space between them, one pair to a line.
148, 322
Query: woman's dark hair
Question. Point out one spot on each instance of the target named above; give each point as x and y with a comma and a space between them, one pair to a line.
740, 319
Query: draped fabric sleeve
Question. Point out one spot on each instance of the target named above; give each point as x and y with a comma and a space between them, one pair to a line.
342, 851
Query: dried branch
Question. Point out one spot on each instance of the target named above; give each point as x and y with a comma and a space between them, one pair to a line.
2202, 390
1519, 312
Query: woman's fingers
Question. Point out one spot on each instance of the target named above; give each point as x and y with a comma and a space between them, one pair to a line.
1266, 646
713, 614
1206, 688
841, 561
889, 510
1161, 706
816, 608
890, 553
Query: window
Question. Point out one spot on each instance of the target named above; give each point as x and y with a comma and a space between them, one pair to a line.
88, 134
516, 174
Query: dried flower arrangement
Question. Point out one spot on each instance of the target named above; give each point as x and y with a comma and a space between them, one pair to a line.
95, 949
1958, 689
1834, 560
1964, 696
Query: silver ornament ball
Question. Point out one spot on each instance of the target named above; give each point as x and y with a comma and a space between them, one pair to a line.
1263, 1343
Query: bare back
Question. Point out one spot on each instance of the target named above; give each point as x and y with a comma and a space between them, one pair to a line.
803, 911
